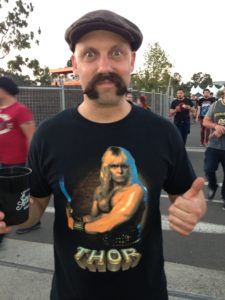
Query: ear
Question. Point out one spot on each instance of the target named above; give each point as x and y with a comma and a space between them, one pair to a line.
74, 64
133, 58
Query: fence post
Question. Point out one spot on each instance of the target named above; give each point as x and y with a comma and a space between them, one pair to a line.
161, 110
153, 101
62, 98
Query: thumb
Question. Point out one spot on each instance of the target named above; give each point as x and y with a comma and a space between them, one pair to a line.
196, 186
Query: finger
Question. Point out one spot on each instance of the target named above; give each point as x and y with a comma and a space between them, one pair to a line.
182, 213
4, 228
179, 230
197, 185
2, 215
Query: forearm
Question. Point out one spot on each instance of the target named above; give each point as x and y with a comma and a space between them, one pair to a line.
172, 112
193, 110
209, 123
36, 210
105, 223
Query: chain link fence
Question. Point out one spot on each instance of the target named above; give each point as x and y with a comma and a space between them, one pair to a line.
45, 102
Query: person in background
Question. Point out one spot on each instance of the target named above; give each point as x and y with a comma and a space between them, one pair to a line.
215, 152
212, 97
203, 106
142, 102
16, 130
130, 98
144, 150
194, 100
180, 110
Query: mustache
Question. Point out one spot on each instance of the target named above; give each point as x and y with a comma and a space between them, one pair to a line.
91, 91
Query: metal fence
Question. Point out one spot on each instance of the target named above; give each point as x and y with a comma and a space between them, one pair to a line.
45, 102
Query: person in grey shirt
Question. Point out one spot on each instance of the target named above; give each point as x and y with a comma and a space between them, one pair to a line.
215, 153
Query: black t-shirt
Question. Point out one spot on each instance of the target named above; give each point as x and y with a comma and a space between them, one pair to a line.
183, 115
204, 104
106, 180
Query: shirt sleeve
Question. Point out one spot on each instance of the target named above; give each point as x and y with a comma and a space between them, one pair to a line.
39, 185
23, 115
180, 174
210, 112
191, 103
173, 105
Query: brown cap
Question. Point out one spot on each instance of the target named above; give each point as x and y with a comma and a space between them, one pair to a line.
104, 20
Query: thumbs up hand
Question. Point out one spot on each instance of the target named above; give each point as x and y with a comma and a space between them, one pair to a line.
187, 209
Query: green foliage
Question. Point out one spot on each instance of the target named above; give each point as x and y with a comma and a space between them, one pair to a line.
156, 74
13, 29
21, 80
15, 36
201, 79
69, 63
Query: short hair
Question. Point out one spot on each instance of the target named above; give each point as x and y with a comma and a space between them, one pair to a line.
9, 86
206, 90
180, 89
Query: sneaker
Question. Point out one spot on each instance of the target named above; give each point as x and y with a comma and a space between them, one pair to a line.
26, 230
201, 145
211, 193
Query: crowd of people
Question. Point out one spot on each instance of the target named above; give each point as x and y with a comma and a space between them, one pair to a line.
209, 111
106, 162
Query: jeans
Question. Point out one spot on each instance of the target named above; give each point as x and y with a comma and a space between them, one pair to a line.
184, 129
211, 162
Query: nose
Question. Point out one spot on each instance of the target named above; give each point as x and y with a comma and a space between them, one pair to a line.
104, 64
119, 169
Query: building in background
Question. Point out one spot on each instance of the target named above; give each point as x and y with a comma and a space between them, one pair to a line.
64, 76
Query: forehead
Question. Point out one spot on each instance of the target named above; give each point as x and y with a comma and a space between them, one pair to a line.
98, 37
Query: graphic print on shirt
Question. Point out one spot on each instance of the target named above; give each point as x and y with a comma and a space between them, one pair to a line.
204, 108
5, 123
113, 224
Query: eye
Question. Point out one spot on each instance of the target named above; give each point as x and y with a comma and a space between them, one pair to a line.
90, 53
116, 53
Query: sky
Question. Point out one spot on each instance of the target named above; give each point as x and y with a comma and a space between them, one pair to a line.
191, 32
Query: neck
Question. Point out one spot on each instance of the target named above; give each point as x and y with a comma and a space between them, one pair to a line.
7, 101
96, 112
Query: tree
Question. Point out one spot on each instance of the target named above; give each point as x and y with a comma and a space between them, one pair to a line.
201, 79
69, 63
156, 74
13, 29
15, 36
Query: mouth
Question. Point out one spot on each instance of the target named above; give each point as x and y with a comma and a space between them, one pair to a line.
105, 82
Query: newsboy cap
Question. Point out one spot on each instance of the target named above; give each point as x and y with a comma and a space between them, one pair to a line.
104, 20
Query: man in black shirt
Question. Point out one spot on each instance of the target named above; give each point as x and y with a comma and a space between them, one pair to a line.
180, 109
203, 107
110, 153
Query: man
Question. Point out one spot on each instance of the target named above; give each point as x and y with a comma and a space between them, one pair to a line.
180, 109
130, 98
71, 146
203, 106
212, 97
16, 129
215, 153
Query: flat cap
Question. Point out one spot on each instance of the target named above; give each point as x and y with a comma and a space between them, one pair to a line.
104, 20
